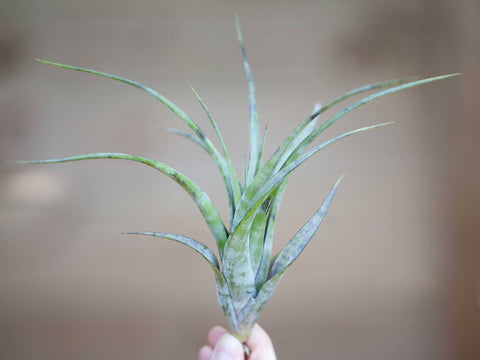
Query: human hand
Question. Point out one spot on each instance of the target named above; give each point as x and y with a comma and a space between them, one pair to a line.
224, 346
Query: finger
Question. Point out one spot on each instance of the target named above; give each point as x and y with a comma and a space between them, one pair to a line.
258, 338
215, 334
260, 344
205, 353
228, 347
263, 354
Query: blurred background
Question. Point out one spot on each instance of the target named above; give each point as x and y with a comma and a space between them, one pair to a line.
394, 270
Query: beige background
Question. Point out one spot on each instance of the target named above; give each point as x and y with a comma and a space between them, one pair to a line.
393, 271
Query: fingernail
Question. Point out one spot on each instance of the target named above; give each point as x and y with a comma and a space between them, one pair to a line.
227, 348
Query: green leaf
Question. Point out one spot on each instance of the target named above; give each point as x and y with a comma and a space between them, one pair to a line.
230, 177
255, 144
236, 263
175, 109
223, 291
249, 314
226, 303
290, 145
257, 234
188, 136
252, 193
236, 260
366, 88
193, 244
251, 197
297, 140
295, 137
202, 200
295, 246
363, 101
264, 266
253, 308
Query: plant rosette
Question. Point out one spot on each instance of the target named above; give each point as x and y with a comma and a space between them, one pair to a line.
246, 273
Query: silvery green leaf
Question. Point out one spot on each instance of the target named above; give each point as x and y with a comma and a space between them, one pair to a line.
297, 140
296, 245
363, 101
248, 316
223, 293
290, 145
202, 200
188, 136
230, 178
256, 238
266, 171
365, 88
236, 260
264, 266
175, 109
200, 248
236, 263
226, 303
255, 144
248, 203
251, 311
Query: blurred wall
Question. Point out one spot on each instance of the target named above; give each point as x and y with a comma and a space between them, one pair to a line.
393, 272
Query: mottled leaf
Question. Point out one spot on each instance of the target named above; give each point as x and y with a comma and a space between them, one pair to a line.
296, 245
255, 144
230, 178
196, 193
363, 101
236, 260
264, 266
246, 204
366, 88
223, 292
188, 136
210, 148
193, 244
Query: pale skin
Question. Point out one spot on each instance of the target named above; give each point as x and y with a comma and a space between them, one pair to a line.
223, 346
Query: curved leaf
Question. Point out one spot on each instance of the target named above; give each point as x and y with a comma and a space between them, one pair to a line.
188, 136
251, 311
236, 260
363, 101
202, 200
174, 108
236, 263
230, 177
193, 244
295, 246
223, 292
255, 144
207, 144
305, 128
366, 88
253, 196
249, 314
257, 233
264, 266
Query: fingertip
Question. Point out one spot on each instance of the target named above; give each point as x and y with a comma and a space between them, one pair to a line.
258, 338
205, 353
260, 344
228, 347
215, 334
264, 353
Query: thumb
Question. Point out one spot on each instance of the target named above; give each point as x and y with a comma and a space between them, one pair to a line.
228, 348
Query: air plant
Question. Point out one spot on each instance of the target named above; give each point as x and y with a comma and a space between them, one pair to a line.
246, 273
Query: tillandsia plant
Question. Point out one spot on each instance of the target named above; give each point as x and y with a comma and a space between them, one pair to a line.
246, 273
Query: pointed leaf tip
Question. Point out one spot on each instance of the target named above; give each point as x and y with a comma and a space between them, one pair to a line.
297, 244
